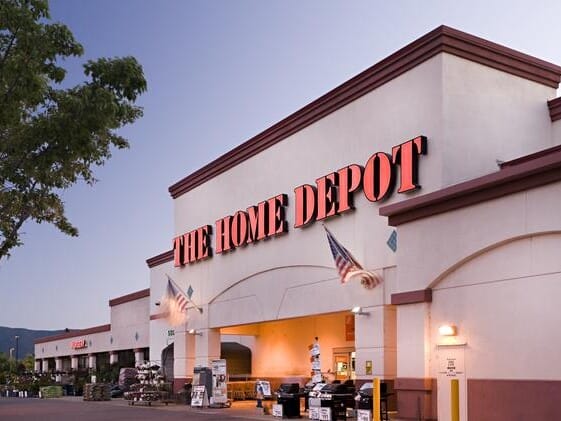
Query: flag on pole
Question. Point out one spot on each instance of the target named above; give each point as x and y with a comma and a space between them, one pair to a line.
174, 304
347, 265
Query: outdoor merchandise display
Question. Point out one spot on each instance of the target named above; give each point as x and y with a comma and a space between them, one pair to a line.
314, 359
97, 392
127, 377
150, 387
219, 387
50, 392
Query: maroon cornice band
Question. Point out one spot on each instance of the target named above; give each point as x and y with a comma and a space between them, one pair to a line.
412, 297
74, 333
554, 109
130, 297
164, 257
539, 169
442, 39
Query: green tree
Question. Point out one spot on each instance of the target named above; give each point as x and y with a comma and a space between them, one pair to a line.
52, 137
28, 363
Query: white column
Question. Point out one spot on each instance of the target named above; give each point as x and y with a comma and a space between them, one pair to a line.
207, 346
45, 366
113, 357
91, 361
37, 365
183, 357
138, 356
58, 369
375, 343
74, 362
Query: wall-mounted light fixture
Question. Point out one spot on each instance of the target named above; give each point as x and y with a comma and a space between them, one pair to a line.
157, 303
358, 311
448, 329
194, 332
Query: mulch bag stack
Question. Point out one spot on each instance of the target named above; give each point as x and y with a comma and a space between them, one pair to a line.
127, 377
96, 392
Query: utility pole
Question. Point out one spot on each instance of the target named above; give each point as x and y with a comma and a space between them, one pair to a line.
17, 345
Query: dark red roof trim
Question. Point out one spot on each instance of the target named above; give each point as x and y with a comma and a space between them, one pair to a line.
554, 109
160, 258
511, 179
412, 297
531, 157
442, 39
130, 297
158, 316
74, 333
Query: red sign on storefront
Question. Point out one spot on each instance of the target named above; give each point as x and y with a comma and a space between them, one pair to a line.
79, 344
331, 195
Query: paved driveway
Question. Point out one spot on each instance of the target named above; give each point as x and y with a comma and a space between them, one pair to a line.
70, 408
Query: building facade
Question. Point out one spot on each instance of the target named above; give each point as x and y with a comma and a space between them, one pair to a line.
439, 169
125, 341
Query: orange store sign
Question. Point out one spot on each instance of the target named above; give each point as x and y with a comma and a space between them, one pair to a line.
79, 344
331, 195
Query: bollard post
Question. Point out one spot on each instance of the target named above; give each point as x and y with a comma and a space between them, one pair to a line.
376, 416
454, 400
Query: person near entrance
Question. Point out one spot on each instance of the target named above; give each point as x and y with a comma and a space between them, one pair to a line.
259, 394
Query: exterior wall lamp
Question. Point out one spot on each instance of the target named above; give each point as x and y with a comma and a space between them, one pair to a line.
194, 332
448, 329
358, 311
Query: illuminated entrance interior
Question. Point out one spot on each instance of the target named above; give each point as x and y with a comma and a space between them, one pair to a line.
280, 349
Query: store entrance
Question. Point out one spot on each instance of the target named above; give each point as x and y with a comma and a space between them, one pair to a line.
280, 350
344, 364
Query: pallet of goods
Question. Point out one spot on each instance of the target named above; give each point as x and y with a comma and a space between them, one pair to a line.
96, 392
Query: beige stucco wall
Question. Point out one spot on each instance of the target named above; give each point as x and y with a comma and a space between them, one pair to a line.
127, 320
472, 115
495, 272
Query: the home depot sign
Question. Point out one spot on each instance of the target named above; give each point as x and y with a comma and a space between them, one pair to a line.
331, 195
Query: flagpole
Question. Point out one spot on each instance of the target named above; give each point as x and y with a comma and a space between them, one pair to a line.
199, 309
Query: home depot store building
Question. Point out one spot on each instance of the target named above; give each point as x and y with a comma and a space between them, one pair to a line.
452, 142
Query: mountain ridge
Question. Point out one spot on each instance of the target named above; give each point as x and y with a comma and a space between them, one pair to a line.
26, 339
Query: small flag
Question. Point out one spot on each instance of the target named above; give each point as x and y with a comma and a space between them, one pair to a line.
347, 266
174, 304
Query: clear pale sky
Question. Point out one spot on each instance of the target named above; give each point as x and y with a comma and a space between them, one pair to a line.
219, 72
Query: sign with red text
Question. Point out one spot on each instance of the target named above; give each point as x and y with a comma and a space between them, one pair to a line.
79, 344
330, 195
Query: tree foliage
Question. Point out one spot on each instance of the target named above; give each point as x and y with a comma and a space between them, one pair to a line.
53, 137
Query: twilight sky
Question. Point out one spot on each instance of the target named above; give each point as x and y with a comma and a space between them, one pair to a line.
219, 72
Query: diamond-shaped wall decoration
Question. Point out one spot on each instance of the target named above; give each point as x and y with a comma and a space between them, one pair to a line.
392, 241
111, 339
136, 336
190, 291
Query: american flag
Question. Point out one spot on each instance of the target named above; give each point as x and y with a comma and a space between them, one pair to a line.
347, 266
175, 293
174, 304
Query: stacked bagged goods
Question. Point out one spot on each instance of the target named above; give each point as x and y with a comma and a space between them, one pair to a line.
149, 386
127, 377
50, 392
96, 392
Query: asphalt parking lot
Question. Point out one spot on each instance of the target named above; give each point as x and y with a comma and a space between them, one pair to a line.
73, 408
